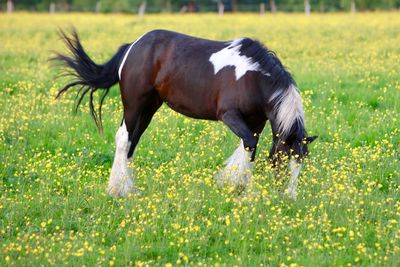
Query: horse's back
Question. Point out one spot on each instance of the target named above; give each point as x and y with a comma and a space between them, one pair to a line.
181, 70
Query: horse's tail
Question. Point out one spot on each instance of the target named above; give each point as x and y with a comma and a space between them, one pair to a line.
88, 75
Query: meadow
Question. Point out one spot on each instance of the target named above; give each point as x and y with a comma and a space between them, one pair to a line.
54, 165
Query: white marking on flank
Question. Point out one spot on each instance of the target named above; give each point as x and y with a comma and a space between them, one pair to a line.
295, 171
121, 184
288, 108
238, 169
230, 56
126, 55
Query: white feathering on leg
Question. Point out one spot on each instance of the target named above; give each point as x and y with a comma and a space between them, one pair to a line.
238, 169
121, 184
295, 171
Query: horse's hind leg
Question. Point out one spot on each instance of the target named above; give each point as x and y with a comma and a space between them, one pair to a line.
121, 183
136, 119
153, 104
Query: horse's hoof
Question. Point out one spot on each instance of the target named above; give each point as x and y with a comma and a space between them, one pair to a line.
218, 178
239, 185
291, 194
121, 189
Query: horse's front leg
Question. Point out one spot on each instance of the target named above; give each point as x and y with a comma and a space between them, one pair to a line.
277, 157
239, 166
294, 167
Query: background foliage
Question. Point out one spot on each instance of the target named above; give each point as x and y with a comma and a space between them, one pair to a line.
202, 5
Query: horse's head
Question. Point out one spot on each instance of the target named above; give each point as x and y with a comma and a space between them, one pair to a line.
290, 148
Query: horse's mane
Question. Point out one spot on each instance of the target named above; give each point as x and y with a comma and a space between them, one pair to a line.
285, 97
268, 63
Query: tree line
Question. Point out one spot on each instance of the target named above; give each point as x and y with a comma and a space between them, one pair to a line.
197, 5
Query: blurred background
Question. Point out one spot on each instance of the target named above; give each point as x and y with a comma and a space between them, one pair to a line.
183, 6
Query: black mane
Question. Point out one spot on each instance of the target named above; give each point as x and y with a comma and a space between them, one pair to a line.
268, 61
280, 78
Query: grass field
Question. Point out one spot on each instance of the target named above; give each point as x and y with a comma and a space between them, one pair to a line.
54, 166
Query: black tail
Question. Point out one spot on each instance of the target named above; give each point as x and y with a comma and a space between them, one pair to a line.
88, 75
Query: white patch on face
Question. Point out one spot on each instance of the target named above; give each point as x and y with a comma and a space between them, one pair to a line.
126, 55
230, 56
121, 184
293, 182
238, 169
289, 108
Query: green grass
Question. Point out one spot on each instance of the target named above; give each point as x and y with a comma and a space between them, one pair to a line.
54, 166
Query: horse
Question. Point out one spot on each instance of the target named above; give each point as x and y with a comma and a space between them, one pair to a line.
240, 82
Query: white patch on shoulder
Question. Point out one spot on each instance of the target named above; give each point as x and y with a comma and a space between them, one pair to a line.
230, 56
238, 169
126, 55
121, 183
288, 108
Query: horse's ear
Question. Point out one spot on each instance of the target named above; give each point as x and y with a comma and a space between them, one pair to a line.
310, 139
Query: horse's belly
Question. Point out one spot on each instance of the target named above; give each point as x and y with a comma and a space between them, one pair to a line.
195, 106
188, 91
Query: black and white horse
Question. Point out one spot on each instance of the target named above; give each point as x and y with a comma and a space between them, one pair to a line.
240, 82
